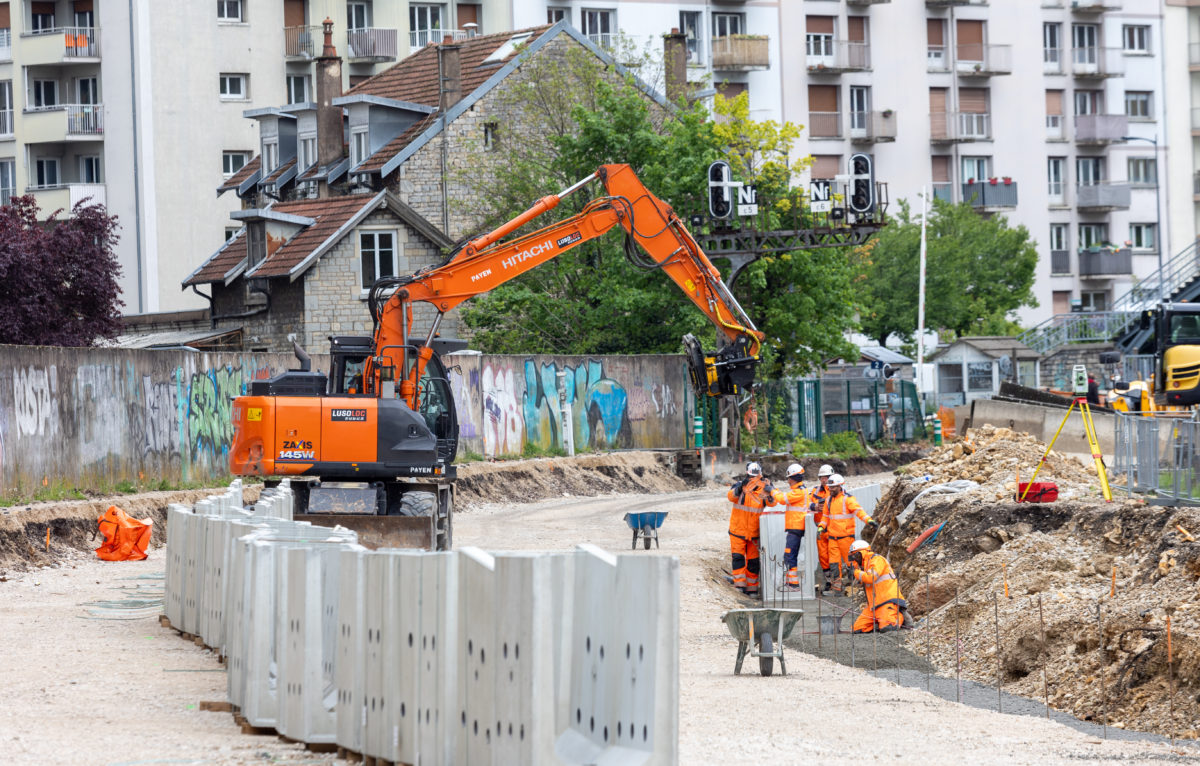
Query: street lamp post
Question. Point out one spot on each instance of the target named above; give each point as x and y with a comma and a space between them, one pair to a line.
1158, 232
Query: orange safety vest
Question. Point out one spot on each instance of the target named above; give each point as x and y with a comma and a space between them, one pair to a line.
880, 581
795, 503
125, 538
743, 518
838, 514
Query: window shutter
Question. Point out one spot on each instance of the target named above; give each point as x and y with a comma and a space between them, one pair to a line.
468, 13
826, 165
83, 6
5, 22
820, 25
969, 32
856, 29
731, 90
935, 32
822, 98
1054, 104
973, 100
42, 8
293, 13
941, 168
937, 100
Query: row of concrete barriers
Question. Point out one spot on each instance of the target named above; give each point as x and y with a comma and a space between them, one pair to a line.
434, 658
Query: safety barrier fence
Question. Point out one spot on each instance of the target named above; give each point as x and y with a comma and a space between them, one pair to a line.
418, 657
1158, 456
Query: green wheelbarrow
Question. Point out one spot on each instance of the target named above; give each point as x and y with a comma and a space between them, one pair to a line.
765, 629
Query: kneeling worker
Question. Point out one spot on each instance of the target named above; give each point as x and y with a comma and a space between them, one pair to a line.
795, 503
748, 497
883, 610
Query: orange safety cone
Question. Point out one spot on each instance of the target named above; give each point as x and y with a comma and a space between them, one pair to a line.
125, 538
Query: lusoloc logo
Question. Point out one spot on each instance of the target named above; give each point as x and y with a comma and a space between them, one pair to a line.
525, 255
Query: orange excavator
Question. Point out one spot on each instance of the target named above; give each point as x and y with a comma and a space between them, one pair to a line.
371, 445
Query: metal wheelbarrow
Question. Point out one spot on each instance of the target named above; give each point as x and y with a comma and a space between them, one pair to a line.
766, 628
646, 525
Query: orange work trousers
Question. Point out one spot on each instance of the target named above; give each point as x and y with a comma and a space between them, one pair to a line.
886, 615
745, 562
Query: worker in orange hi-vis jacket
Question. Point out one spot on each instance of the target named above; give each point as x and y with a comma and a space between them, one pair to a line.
885, 607
749, 496
795, 502
838, 513
816, 499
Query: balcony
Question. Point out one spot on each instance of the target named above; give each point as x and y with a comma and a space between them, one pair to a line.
1100, 129
64, 45
827, 56
1060, 263
65, 196
66, 122
5, 45
419, 38
1100, 262
1097, 63
937, 58
853, 3
1102, 196
990, 195
6, 124
950, 3
977, 60
824, 124
740, 53
943, 190
873, 127
300, 42
371, 45
1095, 6
954, 127
1054, 128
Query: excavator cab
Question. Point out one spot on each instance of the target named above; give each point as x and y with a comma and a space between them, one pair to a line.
348, 357
1177, 354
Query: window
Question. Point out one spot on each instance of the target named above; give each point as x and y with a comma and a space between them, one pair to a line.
46, 173
270, 157
1136, 38
599, 26
378, 252
1092, 234
1054, 115
1058, 236
89, 170
256, 243
1142, 236
490, 136
1137, 104
6, 108
1055, 176
233, 86
1143, 171
1094, 300
297, 88
229, 10
1089, 102
359, 147
45, 94
85, 19
231, 232
1089, 171
358, 15
935, 40
818, 40
424, 24
860, 110
1083, 39
555, 15
232, 162
87, 91
979, 376
306, 155
976, 169
690, 25
950, 378
1052, 47
726, 24
8, 180
40, 21
826, 165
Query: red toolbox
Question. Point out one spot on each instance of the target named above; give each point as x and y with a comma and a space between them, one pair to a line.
1039, 492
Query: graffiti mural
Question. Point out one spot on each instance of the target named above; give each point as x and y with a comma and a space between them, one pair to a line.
503, 427
35, 402
464, 385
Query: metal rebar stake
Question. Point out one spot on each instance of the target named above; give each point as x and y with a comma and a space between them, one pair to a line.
957, 650
1103, 668
1170, 683
1045, 683
996, 622
928, 630
820, 628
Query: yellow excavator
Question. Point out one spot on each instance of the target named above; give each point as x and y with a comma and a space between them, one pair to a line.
1175, 384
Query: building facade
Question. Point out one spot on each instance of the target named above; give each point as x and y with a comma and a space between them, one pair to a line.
1181, 73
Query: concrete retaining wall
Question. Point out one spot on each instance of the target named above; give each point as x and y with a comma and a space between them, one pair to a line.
1042, 422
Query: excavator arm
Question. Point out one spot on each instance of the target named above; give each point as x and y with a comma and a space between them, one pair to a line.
489, 261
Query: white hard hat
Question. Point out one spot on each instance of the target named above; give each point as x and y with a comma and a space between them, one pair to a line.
753, 469
859, 545
795, 469
836, 480
826, 470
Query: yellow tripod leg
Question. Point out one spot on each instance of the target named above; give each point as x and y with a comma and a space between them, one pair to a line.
1049, 447
1089, 426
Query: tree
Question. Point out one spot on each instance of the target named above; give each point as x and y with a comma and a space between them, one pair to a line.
593, 299
58, 278
978, 271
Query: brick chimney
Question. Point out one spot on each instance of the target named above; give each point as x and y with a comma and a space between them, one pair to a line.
330, 134
450, 73
675, 64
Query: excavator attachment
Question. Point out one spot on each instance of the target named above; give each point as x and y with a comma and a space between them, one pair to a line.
727, 371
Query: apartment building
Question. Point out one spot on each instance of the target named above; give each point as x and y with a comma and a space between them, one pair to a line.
1181, 72
139, 105
1021, 107
732, 46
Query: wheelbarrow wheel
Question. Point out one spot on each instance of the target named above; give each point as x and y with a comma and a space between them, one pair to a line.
647, 532
766, 665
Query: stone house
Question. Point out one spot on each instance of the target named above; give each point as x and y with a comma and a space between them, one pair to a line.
411, 144
973, 367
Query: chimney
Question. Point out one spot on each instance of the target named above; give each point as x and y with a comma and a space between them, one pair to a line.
675, 64
450, 73
330, 133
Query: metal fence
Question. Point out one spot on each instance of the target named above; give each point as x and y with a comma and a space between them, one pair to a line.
1158, 456
881, 409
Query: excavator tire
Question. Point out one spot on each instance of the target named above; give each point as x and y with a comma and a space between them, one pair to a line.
418, 504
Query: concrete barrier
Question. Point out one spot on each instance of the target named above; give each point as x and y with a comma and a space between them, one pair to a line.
1043, 422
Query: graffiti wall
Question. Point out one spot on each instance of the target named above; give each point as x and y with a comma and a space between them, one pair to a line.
615, 402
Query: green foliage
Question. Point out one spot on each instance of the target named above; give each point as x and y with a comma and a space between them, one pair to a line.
533, 450
126, 487
467, 456
978, 271
842, 445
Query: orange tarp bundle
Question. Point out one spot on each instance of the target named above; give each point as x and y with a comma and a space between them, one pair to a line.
125, 538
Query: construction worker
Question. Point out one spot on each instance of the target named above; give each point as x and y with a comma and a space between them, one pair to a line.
885, 608
837, 517
795, 503
816, 498
749, 496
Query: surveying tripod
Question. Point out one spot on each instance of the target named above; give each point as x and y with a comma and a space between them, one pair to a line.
1089, 427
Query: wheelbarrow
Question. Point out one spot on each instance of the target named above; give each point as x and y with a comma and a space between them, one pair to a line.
766, 628
645, 525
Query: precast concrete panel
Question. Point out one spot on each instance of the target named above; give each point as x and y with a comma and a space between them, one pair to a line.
377, 567
401, 669
350, 666
440, 715
173, 587
191, 578
475, 655
868, 497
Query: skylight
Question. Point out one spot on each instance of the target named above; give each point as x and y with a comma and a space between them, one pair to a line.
506, 50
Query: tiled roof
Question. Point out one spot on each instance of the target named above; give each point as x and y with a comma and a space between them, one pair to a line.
331, 214
220, 263
393, 147
279, 171
238, 178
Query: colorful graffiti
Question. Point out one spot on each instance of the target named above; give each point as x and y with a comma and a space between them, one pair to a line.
597, 403
503, 428
210, 408
463, 388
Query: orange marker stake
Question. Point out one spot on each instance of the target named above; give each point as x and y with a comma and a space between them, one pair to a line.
47, 538
1112, 592
1004, 570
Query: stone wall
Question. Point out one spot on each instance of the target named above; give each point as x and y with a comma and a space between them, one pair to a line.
1056, 368
268, 331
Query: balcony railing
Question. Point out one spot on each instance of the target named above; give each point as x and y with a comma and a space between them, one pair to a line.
1056, 193
937, 58
948, 3
1102, 196
824, 124
5, 45
948, 127
943, 190
873, 127
826, 55
371, 43
1052, 60
1095, 6
300, 42
1103, 262
866, 2
990, 195
1054, 127
6, 123
1060, 262
81, 42
419, 38
738, 53
1100, 128
1097, 62
95, 194
85, 119
979, 60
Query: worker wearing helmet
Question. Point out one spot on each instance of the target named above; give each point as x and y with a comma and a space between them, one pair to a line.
749, 496
795, 503
816, 499
837, 516
885, 604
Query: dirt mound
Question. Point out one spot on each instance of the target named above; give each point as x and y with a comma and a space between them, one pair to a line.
520, 481
776, 465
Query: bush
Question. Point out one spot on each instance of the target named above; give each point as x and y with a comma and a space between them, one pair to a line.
842, 445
